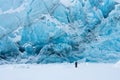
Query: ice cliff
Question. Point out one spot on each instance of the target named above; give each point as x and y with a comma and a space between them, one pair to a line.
49, 31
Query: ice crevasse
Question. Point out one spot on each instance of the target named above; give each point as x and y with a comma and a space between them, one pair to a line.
50, 31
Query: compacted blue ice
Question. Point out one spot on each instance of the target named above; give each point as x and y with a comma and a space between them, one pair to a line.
50, 31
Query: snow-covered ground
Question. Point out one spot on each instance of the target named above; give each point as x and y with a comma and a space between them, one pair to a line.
85, 71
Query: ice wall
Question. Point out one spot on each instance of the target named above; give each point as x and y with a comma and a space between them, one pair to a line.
49, 31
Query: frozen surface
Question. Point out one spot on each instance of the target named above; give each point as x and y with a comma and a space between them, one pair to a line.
50, 31
85, 71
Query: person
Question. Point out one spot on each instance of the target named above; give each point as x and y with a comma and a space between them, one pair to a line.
76, 64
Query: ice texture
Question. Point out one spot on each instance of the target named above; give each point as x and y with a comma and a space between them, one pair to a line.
56, 31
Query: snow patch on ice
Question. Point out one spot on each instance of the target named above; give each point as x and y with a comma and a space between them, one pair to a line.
17, 35
1, 28
17, 38
17, 10
117, 1
68, 3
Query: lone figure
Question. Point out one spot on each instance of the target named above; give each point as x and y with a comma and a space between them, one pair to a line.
76, 64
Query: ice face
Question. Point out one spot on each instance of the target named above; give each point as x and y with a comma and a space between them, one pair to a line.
49, 31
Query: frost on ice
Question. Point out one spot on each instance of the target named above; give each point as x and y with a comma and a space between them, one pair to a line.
49, 31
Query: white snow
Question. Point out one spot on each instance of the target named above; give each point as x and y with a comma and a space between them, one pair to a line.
117, 65
17, 10
68, 3
17, 38
1, 28
117, 1
60, 72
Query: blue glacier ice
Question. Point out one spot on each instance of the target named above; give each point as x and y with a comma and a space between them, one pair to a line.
50, 31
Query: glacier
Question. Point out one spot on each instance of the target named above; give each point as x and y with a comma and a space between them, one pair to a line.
57, 31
